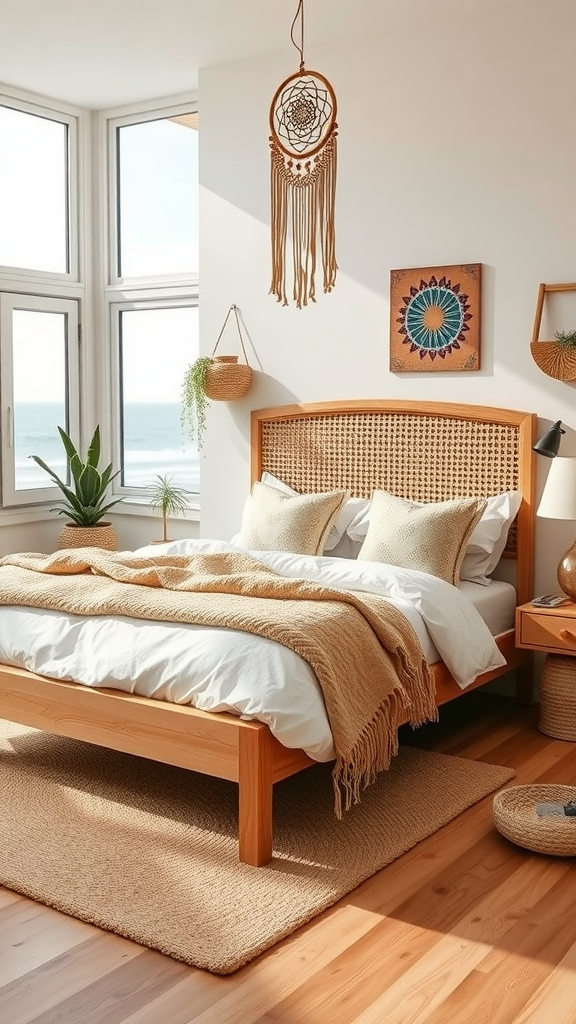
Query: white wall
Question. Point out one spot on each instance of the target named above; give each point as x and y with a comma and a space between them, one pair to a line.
456, 144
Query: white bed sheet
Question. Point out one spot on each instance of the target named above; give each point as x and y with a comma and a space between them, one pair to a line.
496, 603
226, 670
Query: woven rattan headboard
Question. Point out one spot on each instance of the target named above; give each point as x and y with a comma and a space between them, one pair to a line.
425, 451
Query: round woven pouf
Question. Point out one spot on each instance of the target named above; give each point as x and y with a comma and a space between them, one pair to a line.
558, 697
515, 816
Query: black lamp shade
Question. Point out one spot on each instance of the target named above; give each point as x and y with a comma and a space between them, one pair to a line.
549, 443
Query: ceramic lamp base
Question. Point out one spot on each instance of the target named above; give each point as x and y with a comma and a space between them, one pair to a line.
567, 573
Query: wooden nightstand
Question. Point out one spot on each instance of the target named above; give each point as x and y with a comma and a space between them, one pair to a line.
553, 631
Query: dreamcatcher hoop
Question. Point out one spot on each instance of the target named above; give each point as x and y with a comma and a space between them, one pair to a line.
303, 133
295, 91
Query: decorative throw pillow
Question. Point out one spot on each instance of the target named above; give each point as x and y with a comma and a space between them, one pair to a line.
486, 544
337, 542
430, 537
275, 521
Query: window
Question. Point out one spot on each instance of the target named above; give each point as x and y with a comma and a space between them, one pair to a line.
153, 293
139, 302
36, 151
154, 345
157, 197
40, 295
39, 392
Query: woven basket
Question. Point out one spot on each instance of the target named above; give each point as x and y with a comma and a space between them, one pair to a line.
558, 697
101, 536
554, 360
227, 379
515, 816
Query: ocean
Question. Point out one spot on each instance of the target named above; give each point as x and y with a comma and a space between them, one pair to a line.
154, 443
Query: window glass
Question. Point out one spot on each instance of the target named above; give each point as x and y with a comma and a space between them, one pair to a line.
33, 192
156, 346
158, 197
39, 388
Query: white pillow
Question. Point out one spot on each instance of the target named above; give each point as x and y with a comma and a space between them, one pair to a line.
339, 542
275, 521
486, 544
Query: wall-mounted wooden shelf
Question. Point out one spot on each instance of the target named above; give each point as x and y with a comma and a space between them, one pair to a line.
554, 359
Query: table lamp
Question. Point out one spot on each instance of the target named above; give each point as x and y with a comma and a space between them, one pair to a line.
549, 443
558, 501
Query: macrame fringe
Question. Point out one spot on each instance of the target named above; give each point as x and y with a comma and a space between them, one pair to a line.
307, 201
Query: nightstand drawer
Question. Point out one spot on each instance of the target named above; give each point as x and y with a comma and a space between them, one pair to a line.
551, 632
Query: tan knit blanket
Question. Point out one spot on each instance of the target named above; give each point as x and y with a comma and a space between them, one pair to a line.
364, 652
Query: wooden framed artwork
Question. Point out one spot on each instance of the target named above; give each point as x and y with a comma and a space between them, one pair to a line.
435, 318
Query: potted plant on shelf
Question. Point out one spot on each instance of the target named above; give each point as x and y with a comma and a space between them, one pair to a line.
85, 497
566, 339
168, 500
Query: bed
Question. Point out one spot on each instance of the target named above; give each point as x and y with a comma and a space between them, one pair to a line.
469, 451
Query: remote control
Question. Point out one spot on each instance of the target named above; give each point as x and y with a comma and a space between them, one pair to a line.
550, 600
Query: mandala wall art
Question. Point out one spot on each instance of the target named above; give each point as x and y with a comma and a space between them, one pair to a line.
435, 319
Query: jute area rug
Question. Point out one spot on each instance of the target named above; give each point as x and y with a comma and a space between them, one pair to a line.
150, 851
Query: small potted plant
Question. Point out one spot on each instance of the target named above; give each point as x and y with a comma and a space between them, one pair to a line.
567, 339
167, 499
85, 497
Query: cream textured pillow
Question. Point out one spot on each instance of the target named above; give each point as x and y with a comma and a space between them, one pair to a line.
350, 510
431, 537
276, 521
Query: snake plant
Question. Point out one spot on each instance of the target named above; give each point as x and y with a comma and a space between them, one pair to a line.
86, 494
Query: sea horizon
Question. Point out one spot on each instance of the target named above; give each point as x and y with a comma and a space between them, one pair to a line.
154, 443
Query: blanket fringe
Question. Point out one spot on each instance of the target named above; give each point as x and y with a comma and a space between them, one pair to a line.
372, 753
378, 741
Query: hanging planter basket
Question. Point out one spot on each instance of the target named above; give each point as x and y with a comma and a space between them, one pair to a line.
226, 378
553, 358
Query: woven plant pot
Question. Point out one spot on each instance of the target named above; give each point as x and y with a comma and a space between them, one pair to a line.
558, 697
554, 360
515, 816
101, 536
227, 379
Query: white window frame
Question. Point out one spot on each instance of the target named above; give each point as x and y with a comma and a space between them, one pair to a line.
116, 308
130, 293
138, 116
12, 496
71, 120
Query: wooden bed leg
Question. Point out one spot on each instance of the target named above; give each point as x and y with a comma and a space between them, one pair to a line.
525, 681
255, 789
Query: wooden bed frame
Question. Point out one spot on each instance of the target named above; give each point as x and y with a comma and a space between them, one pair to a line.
421, 450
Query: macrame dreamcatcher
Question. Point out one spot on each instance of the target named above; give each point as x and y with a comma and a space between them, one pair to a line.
303, 178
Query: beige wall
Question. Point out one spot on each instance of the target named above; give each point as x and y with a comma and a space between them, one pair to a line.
456, 144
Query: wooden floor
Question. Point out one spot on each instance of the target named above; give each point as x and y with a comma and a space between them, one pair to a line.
464, 929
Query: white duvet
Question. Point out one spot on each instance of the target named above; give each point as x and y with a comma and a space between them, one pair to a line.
227, 670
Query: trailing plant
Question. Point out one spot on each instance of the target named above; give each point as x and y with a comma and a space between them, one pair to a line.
194, 399
566, 338
86, 494
167, 499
